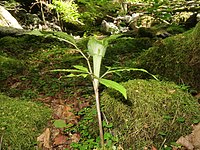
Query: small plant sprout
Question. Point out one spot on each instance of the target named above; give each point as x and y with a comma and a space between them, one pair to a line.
97, 49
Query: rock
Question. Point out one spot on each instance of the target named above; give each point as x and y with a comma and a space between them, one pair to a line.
6, 19
109, 27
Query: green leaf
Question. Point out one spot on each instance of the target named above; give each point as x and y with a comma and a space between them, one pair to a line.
162, 133
120, 69
114, 85
77, 75
35, 32
181, 120
84, 69
68, 70
59, 124
107, 136
195, 121
63, 35
110, 125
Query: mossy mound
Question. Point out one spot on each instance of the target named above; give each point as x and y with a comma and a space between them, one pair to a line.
175, 58
21, 122
153, 112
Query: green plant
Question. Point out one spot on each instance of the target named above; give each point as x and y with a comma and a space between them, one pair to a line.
89, 139
97, 49
66, 10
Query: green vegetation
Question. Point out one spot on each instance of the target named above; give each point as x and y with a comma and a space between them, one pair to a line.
9, 67
175, 58
21, 121
145, 113
154, 112
88, 129
66, 10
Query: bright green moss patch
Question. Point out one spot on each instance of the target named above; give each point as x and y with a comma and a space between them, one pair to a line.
153, 112
21, 122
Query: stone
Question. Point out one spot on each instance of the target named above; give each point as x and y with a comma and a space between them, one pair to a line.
6, 19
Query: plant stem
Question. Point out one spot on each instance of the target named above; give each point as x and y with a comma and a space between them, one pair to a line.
96, 91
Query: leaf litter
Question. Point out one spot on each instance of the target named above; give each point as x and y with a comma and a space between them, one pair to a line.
64, 110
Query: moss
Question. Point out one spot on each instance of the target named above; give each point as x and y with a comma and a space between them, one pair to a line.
128, 47
25, 45
175, 58
21, 122
153, 112
9, 67
175, 29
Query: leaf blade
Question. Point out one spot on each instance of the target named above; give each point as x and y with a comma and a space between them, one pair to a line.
81, 68
114, 85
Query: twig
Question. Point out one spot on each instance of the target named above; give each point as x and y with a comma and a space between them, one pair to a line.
104, 116
162, 144
1, 141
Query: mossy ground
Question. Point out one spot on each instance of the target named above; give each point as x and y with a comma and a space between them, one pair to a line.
10, 66
21, 121
27, 62
154, 112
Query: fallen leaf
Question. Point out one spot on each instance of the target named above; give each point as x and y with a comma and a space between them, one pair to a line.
171, 91
153, 148
75, 137
191, 141
197, 95
44, 139
65, 113
60, 139
196, 136
186, 142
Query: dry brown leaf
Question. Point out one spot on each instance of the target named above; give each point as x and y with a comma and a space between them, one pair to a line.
198, 95
191, 141
196, 136
65, 112
153, 148
75, 137
44, 139
171, 91
186, 142
120, 147
60, 139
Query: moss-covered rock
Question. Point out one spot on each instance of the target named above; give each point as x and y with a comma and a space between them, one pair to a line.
175, 58
153, 112
21, 122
